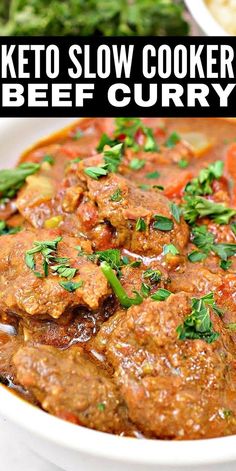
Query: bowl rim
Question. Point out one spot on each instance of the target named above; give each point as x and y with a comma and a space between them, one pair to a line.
205, 19
111, 447
101, 445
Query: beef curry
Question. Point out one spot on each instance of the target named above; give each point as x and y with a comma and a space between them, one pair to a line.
118, 277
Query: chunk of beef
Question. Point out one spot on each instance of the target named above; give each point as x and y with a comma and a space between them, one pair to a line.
173, 388
134, 204
25, 294
69, 386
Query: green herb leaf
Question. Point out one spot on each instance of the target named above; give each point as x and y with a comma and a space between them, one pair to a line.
202, 185
153, 275
183, 163
162, 223
196, 256
95, 172
116, 196
141, 225
127, 129
198, 325
49, 159
8, 230
12, 180
161, 294
106, 141
196, 207
137, 164
101, 407
172, 140
202, 238
152, 175
225, 264
112, 158
70, 285
145, 290
118, 289
224, 251
175, 211
170, 248
77, 135
233, 227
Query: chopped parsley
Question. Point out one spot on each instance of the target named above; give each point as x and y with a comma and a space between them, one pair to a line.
137, 164
144, 187
225, 264
198, 325
163, 223
195, 207
145, 290
202, 185
161, 294
77, 135
151, 175
106, 141
116, 196
233, 227
47, 249
175, 211
70, 285
153, 276
183, 163
127, 130
11, 180
49, 159
5, 229
141, 225
170, 248
205, 241
172, 140
112, 159
101, 406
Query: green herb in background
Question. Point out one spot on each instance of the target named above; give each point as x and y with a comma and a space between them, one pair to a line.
92, 17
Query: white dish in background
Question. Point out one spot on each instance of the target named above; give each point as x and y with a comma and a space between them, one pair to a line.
75, 448
204, 18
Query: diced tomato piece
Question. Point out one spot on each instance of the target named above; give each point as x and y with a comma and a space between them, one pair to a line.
177, 188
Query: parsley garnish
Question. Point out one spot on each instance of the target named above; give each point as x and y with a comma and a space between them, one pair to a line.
183, 163
153, 275
202, 185
161, 294
170, 248
70, 285
112, 159
162, 223
141, 225
196, 207
137, 164
59, 265
49, 159
225, 264
127, 130
145, 290
106, 141
233, 227
198, 325
12, 180
152, 175
95, 172
116, 196
175, 211
77, 135
172, 140
101, 406
118, 289
205, 241
5, 229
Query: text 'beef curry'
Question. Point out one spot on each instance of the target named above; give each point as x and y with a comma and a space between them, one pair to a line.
118, 277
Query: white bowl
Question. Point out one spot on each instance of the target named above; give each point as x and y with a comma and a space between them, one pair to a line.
75, 448
204, 18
